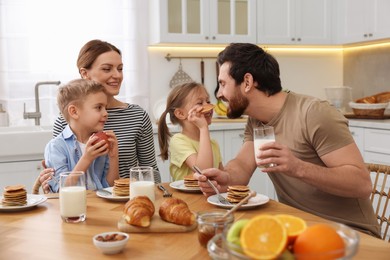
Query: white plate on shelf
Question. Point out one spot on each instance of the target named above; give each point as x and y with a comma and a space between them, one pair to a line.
258, 200
159, 108
179, 185
32, 201
111, 196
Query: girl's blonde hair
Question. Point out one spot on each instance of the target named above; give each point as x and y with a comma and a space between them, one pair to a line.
75, 92
176, 99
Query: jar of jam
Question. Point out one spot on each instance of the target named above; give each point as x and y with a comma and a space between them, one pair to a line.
212, 222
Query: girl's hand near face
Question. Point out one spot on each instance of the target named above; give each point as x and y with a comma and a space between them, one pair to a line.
196, 117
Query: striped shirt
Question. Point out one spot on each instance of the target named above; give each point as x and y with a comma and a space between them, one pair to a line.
133, 129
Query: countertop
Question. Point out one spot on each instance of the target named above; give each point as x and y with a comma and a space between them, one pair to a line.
370, 123
234, 124
216, 125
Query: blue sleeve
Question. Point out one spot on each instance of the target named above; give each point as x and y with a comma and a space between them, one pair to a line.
57, 157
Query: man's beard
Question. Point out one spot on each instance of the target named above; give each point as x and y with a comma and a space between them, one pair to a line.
237, 106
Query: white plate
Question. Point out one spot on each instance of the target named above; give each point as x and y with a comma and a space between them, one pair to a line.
111, 196
32, 201
258, 200
159, 108
179, 185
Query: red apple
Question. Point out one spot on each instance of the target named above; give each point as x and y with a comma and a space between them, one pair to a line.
101, 136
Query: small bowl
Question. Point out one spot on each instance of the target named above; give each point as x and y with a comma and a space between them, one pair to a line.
220, 249
111, 247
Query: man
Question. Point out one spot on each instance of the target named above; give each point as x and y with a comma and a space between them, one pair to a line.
318, 167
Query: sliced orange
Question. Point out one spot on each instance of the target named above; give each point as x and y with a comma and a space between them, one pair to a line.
294, 226
263, 237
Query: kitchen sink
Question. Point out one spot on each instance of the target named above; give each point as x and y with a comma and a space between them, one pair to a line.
21, 143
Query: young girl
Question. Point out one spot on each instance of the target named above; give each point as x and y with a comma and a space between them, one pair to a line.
83, 104
193, 145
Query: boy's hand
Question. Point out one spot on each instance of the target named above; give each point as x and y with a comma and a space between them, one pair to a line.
113, 144
95, 148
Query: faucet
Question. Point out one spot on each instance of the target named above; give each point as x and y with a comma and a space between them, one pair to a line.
37, 114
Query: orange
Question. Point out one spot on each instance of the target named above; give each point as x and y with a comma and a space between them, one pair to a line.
263, 237
320, 242
294, 226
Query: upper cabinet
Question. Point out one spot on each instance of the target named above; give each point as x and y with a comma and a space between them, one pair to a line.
294, 22
363, 20
203, 21
287, 22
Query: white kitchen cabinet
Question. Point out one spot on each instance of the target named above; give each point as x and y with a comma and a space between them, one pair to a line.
357, 134
373, 139
233, 140
202, 21
363, 20
19, 172
294, 22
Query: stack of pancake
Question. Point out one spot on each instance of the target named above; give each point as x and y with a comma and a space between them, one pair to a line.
237, 193
15, 195
190, 182
121, 187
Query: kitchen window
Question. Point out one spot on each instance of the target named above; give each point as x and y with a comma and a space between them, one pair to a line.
40, 41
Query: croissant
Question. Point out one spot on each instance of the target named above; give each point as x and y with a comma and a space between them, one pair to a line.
382, 97
176, 211
139, 211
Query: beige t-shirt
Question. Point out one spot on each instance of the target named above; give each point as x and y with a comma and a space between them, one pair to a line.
312, 128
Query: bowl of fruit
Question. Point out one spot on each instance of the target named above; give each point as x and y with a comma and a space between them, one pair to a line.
283, 237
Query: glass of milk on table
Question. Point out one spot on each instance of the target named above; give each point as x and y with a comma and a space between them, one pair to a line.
142, 182
261, 135
73, 196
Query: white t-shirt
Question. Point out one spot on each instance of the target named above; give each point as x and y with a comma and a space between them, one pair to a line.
90, 185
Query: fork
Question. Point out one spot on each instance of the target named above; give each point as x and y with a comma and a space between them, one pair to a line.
221, 198
103, 191
166, 193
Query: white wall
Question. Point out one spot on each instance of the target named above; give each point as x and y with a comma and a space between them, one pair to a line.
306, 72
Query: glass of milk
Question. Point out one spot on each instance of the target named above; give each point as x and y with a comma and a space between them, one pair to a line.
262, 135
73, 196
142, 182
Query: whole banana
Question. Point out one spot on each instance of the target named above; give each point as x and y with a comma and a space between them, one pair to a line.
220, 108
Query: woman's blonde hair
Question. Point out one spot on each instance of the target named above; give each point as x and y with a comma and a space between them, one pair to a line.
75, 92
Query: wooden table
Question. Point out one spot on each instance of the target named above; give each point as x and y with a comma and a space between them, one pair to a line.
41, 234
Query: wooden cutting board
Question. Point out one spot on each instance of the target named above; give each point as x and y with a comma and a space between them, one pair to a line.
157, 225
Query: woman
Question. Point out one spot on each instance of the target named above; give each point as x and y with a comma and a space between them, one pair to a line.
102, 62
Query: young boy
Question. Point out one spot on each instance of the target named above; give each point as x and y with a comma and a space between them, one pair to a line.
83, 105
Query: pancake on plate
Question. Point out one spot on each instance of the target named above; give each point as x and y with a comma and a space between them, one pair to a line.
14, 195
190, 182
236, 193
121, 187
